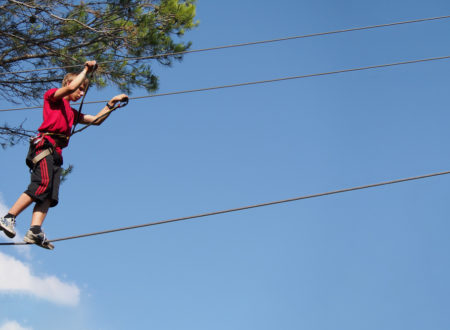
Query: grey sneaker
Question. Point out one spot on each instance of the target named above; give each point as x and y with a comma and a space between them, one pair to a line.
38, 239
7, 225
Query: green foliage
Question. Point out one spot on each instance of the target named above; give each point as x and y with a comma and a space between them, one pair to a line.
43, 33
65, 172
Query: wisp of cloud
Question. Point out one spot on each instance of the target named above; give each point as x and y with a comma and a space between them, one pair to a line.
16, 278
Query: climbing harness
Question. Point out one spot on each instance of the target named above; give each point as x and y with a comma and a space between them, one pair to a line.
60, 140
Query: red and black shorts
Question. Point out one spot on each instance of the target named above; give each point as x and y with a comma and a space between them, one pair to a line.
45, 175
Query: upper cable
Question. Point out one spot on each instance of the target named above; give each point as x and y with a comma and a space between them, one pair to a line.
251, 43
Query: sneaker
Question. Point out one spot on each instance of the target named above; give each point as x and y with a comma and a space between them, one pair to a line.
38, 239
7, 225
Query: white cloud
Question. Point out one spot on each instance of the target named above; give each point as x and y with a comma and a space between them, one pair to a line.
12, 325
16, 277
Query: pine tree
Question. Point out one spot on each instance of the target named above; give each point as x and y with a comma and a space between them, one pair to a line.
38, 34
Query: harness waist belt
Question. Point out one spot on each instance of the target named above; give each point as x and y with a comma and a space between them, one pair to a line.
61, 140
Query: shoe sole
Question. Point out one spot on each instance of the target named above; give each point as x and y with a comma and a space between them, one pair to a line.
7, 232
48, 246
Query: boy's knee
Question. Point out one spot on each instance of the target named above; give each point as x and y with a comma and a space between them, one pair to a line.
42, 206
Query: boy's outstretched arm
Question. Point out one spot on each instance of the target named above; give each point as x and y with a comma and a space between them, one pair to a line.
89, 66
104, 113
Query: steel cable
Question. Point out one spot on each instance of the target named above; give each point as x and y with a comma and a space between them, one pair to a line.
241, 208
260, 81
242, 44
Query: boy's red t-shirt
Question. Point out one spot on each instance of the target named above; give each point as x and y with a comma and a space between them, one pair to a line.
58, 115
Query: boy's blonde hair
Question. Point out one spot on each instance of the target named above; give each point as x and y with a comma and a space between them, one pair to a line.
68, 78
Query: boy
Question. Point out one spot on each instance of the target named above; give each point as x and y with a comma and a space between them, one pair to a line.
45, 154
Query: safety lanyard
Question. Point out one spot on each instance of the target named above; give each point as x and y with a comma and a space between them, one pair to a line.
119, 104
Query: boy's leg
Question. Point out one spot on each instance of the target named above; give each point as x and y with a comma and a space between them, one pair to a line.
39, 213
8, 222
21, 204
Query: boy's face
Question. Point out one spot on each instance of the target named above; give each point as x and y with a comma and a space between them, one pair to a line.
75, 96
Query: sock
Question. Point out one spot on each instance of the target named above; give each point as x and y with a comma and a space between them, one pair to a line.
9, 215
35, 229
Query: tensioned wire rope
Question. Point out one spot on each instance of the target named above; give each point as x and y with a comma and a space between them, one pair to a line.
261, 81
242, 44
241, 208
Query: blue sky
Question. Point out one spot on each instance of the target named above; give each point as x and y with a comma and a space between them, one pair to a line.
372, 259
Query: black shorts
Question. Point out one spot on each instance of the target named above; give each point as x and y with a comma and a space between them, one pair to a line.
45, 175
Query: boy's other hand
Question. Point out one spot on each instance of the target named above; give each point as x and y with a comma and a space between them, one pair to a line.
119, 98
